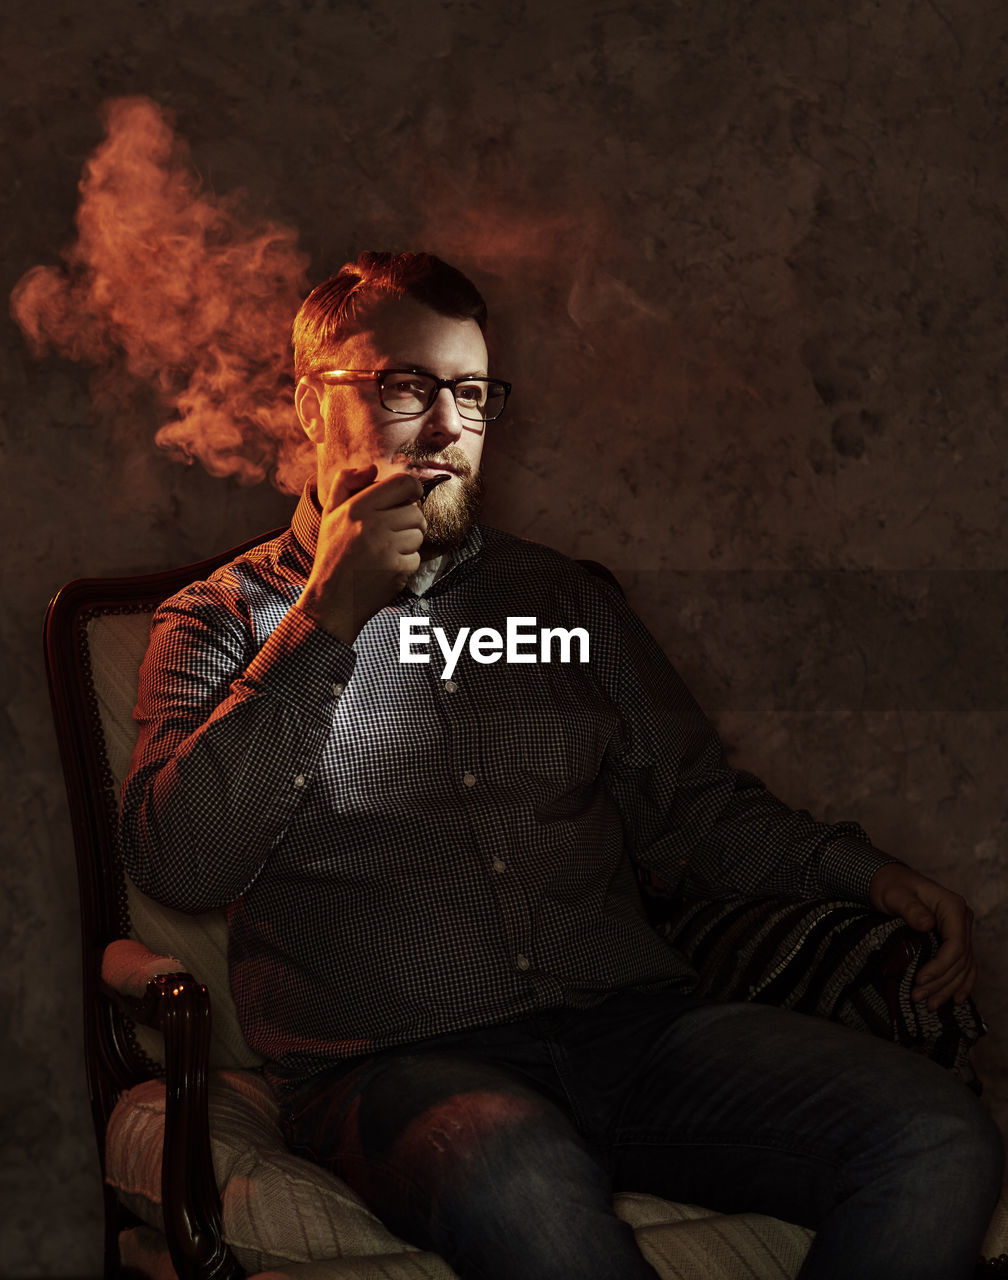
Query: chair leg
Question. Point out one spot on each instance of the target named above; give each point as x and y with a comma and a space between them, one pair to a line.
113, 1214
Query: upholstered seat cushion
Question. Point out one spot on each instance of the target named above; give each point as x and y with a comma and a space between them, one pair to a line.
280, 1210
284, 1216
277, 1207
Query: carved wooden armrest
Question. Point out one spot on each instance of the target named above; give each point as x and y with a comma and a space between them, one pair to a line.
178, 1006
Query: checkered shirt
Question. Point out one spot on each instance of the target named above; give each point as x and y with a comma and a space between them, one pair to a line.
402, 855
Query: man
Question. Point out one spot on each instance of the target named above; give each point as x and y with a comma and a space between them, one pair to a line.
435, 936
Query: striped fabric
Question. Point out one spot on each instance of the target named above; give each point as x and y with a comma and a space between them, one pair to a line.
144, 1249
833, 959
276, 1207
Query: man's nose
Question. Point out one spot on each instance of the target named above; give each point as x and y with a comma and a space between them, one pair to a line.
442, 421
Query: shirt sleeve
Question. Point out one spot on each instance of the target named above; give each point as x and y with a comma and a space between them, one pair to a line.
692, 818
231, 733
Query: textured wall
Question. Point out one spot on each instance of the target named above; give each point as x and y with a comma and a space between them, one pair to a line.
747, 265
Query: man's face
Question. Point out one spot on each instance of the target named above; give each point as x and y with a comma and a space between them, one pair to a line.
403, 334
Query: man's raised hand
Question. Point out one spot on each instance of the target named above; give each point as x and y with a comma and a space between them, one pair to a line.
368, 546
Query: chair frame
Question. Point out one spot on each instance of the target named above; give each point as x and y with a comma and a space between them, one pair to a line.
174, 1004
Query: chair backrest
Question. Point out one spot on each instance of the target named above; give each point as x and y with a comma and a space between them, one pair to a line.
94, 639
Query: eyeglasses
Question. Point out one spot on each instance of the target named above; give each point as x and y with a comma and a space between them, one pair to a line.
412, 392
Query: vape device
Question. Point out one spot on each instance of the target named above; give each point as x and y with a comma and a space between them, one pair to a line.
432, 483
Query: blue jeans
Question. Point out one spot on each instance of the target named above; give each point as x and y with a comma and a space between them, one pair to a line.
500, 1148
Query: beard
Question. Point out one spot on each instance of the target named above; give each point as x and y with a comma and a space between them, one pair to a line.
451, 509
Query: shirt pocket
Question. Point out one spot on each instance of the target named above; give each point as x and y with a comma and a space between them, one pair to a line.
552, 726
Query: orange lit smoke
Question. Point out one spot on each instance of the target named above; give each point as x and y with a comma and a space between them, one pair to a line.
179, 288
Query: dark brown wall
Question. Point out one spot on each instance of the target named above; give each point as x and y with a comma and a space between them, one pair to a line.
747, 266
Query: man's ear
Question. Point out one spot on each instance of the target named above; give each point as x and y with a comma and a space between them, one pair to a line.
308, 404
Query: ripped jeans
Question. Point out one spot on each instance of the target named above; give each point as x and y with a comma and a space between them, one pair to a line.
500, 1148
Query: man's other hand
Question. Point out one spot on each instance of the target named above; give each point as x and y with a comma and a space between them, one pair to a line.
924, 905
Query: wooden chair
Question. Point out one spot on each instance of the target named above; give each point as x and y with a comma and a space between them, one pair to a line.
175, 1125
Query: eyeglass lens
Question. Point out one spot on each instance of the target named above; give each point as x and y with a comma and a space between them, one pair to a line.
478, 399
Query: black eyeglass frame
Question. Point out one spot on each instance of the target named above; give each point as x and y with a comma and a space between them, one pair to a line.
336, 377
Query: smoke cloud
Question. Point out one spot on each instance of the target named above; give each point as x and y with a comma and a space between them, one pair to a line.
182, 289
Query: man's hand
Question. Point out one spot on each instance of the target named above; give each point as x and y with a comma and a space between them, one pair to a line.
925, 905
368, 545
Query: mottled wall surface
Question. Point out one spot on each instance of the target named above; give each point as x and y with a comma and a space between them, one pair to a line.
747, 268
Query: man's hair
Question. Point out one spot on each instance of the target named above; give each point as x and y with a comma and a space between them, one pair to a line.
329, 315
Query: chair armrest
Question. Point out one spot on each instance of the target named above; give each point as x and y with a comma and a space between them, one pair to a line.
839, 960
128, 966
178, 1006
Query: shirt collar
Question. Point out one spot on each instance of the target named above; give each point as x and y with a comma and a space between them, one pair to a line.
306, 520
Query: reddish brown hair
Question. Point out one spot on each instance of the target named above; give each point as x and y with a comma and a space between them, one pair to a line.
328, 316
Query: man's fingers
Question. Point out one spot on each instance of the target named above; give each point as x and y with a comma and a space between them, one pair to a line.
941, 972
402, 488
906, 903
953, 956
406, 541
947, 974
347, 482
406, 515
954, 953
395, 493
926, 905
919, 917
952, 972
957, 988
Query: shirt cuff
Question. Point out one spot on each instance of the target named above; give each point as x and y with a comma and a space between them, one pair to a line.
302, 663
847, 867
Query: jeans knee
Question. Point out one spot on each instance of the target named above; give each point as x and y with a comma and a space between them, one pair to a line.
957, 1141
541, 1210
496, 1153
510, 1190
979, 1147
529, 1164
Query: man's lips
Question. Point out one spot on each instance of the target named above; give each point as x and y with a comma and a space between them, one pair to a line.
428, 470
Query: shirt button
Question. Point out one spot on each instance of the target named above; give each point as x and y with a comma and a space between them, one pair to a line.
422, 606
469, 779
338, 688
299, 781
450, 686
499, 864
522, 962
